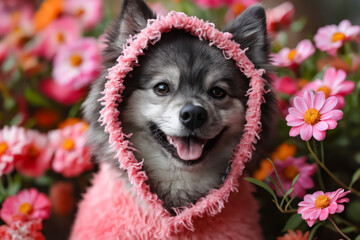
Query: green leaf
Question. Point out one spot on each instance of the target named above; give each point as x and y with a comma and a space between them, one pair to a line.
9, 103
357, 237
314, 229
298, 25
355, 177
293, 222
263, 185
295, 180
44, 180
353, 211
35, 98
277, 175
9, 64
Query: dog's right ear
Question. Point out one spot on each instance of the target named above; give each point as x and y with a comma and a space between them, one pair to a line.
133, 18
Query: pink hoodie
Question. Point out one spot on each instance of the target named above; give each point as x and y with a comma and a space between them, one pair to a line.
113, 210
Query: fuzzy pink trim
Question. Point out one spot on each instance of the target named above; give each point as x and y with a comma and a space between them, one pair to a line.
214, 202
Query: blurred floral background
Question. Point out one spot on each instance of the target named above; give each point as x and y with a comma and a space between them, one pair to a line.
50, 53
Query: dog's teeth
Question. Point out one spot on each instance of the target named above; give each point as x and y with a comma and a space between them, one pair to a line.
169, 139
202, 146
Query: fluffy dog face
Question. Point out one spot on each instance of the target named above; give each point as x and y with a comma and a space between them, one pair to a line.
185, 104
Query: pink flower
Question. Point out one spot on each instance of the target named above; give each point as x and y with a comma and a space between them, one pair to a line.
333, 84
72, 155
27, 202
89, 12
332, 37
77, 64
12, 144
61, 94
279, 17
288, 170
59, 33
37, 155
319, 205
3, 52
284, 84
213, 3
158, 8
22, 228
312, 115
288, 57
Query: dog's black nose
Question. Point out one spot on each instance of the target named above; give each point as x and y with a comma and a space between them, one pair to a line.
193, 116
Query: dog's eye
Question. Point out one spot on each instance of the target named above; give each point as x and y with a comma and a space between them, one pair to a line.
161, 89
217, 92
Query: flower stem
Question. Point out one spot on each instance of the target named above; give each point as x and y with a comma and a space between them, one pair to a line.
338, 229
330, 173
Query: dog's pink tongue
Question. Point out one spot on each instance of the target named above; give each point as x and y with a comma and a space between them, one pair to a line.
189, 150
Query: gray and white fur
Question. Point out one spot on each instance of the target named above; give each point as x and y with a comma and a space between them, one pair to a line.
183, 92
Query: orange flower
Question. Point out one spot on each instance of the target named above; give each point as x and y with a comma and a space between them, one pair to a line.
283, 151
69, 122
62, 198
46, 118
48, 11
298, 235
263, 171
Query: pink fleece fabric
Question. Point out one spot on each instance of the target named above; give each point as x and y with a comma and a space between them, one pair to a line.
108, 211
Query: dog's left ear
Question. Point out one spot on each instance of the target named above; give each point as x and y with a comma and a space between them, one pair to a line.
249, 30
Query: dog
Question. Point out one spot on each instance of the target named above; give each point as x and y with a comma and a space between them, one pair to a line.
184, 105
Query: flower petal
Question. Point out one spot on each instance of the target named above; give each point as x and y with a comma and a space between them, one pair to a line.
300, 104
329, 105
306, 132
318, 135
319, 100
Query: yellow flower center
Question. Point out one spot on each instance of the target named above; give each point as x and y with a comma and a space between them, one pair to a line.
312, 116
338, 36
325, 90
290, 173
25, 208
33, 151
60, 37
322, 201
76, 60
292, 54
68, 144
79, 12
3, 148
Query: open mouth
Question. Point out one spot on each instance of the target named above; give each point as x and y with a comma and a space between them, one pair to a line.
189, 150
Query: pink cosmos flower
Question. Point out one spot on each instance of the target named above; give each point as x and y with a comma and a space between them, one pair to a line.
27, 202
12, 144
59, 33
333, 84
312, 115
288, 170
61, 94
22, 228
319, 205
89, 12
72, 155
289, 57
332, 37
37, 155
77, 64
284, 84
158, 8
213, 3
279, 17
3, 52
